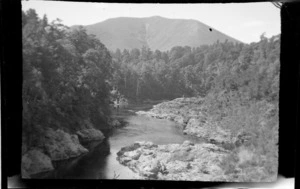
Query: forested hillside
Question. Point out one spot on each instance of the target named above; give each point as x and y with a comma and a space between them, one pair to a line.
252, 70
233, 104
65, 79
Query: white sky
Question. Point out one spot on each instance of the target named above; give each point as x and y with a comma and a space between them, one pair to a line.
242, 21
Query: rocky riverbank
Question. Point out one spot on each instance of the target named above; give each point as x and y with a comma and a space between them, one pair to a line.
191, 116
55, 145
185, 161
192, 162
235, 147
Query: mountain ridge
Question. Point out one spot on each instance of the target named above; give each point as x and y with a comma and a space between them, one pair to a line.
155, 32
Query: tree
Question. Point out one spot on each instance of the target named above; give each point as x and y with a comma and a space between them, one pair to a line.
66, 77
146, 53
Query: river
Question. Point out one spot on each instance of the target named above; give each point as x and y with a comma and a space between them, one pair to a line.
101, 163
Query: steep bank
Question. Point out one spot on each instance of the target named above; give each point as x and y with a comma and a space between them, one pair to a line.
55, 145
190, 114
246, 131
60, 96
227, 129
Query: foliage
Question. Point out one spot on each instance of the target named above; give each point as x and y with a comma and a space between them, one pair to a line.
252, 69
260, 122
240, 86
66, 77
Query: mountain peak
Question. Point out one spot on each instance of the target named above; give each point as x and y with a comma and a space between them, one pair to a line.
156, 17
156, 32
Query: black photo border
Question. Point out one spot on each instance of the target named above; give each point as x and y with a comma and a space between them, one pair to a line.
11, 100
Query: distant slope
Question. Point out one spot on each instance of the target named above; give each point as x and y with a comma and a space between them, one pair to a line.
155, 32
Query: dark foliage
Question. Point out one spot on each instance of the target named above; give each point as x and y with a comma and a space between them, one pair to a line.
250, 69
65, 78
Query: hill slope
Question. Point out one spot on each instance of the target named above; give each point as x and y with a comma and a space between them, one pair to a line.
154, 32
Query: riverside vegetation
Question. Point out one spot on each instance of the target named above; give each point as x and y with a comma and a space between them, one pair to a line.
239, 146
66, 92
234, 108
229, 98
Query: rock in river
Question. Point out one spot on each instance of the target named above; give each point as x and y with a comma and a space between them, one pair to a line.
60, 145
185, 161
87, 135
35, 161
56, 145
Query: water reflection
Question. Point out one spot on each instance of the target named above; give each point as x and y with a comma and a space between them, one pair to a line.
87, 166
101, 163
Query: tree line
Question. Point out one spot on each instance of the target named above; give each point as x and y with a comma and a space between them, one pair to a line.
141, 74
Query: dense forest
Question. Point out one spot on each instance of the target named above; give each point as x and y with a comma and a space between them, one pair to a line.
251, 69
237, 85
66, 78
70, 79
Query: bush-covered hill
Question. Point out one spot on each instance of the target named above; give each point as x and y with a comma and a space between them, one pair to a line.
154, 32
235, 91
252, 69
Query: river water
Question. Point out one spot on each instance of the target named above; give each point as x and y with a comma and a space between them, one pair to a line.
101, 163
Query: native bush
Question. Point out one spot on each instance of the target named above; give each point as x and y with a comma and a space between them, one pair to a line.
66, 76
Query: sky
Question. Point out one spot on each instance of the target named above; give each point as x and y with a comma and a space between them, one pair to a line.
242, 21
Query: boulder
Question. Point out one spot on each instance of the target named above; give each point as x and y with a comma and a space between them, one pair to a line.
133, 154
60, 145
115, 123
150, 169
87, 135
168, 148
221, 135
185, 161
208, 131
176, 166
125, 160
35, 161
213, 148
128, 148
188, 143
183, 152
146, 145
183, 155
243, 138
181, 120
197, 128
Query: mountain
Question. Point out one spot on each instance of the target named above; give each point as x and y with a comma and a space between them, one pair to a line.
154, 32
